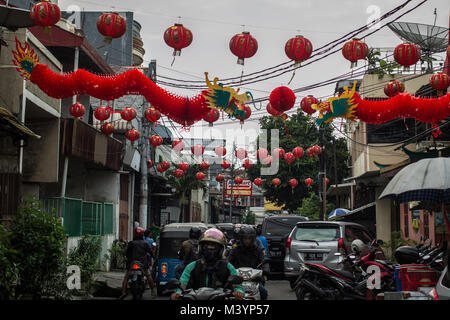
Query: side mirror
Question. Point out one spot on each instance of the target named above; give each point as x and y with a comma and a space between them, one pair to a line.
235, 279
380, 242
173, 284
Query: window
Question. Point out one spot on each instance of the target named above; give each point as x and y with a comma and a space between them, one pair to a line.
280, 227
316, 233
352, 233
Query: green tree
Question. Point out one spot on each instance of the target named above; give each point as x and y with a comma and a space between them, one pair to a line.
8, 268
303, 133
39, 241
310, 207
249, 218
184, 185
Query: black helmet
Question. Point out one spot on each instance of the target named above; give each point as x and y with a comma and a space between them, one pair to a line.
195, 233
247, 231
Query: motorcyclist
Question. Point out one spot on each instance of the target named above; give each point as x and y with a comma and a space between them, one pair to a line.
250, 253
210, 270
137, 250
189, 251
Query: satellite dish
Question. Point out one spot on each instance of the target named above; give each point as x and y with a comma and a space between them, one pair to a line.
430, 39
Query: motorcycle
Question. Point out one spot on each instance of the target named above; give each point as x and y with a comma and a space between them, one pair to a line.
204, 294
137, 280
251, 282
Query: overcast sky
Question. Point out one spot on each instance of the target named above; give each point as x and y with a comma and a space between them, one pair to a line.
271, 22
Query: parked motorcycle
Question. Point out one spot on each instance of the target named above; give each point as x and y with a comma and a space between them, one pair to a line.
202, 294
137, 280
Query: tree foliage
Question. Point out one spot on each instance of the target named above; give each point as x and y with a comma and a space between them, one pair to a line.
303, 133
310, 207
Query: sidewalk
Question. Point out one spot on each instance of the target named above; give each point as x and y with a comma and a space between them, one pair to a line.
113, 279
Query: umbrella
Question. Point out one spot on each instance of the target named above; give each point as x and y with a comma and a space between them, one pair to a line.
337, 213
427, 180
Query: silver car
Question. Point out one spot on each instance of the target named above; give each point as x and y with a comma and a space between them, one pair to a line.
318, 241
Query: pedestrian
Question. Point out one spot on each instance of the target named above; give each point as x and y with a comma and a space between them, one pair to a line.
189, 251
262, 239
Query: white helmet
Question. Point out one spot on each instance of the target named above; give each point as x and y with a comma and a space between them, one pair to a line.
358, 246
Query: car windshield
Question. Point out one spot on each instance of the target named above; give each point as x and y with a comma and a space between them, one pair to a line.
169, 247
316, 233
280, 227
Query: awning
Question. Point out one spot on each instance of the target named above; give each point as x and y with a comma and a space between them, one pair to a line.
340, 189
359, 209
10, 124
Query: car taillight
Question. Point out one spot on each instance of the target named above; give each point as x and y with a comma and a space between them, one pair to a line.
341, 245
135, 266
434, 294
288, 243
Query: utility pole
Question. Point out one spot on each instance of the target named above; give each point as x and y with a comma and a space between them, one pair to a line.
232, 180
145, 151
322, 211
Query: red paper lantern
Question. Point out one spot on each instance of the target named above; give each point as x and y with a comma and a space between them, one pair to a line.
279, 153
204, 165
298, 49
355, 50
289, 157
310, 152
316, 150
107, 128
111, 25
238, 180
268, 160
178, 145
178, 173
248, 164
276, 182
309, 182
212, 116
393, 88
440, 81
293, 183
284, 117
225, 164
220, 178
132, 135
306, 104
272, 111
327, 181
298, 152
197, 150
128, 114
45, 14
178, 37
262, 153
184, 166
243, 45
152, 114
407, 54
160, 169
258, 182
247, 113
77, 110
156, 140
220, 151
165, 165
241, 153
200, 175
282, 99
150, 164
102, 113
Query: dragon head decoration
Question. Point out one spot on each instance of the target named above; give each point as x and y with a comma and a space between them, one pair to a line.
226, 98
343, 106
25, 59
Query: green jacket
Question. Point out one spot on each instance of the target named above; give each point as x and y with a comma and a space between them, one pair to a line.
185, 277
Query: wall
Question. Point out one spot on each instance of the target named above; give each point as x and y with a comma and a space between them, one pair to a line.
414, 234
383, 217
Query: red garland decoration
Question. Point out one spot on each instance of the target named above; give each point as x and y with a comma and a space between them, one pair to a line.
185, 111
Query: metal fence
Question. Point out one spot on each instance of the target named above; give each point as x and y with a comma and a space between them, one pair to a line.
82, 217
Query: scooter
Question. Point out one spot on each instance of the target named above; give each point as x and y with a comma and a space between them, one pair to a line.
203, 294
137, 280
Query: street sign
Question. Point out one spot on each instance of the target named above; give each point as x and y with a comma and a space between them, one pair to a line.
243, 189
